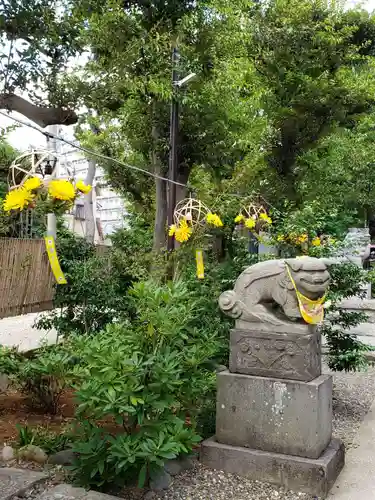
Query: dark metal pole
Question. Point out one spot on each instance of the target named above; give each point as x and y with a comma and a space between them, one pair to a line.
173, 159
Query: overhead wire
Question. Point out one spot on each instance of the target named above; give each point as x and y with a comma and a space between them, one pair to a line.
50, 135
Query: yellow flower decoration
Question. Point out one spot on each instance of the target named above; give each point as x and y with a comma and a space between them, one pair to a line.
281, 238
17, 199
263, 216
32, 183
303, 238
316, 242
172, 230
214, 220
239, 219
183, 232
250, 223
61, 190
82, 187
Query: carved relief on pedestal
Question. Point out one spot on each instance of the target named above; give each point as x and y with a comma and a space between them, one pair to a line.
279, 355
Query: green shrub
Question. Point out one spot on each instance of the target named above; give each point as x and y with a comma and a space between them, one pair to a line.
95, 294
9, 360
146, 377
345, 351
219, 277
43, 377
132, 247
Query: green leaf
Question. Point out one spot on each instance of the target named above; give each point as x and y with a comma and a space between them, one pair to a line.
142, 476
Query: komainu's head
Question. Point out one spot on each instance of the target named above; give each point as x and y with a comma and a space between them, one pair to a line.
310, 275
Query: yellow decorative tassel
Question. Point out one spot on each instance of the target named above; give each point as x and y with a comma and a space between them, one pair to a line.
54, 261
200, 264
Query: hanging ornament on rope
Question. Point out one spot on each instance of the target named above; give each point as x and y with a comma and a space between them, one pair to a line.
189, 215
32, 164
254, 217
192, 210
32, 183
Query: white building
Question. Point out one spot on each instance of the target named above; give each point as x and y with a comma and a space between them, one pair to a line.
109, 207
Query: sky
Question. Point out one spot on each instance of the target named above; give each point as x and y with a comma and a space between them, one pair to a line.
23, 138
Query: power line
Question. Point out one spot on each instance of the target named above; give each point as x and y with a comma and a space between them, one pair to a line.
90, 152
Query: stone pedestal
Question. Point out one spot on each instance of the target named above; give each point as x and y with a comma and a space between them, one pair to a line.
269, 414
274, 411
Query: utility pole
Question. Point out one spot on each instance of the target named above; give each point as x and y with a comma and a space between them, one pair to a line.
173, 157
52, 146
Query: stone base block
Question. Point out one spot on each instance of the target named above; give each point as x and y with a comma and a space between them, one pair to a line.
294, 356
282, 416
295, 473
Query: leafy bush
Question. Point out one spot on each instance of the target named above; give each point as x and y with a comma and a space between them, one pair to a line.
345, 351
9, 360
132, 247
137, 385
219, 277
43, 377
96, 291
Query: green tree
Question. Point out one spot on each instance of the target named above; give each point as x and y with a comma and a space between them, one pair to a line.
343, 163
36, 41
128, 82
315, 61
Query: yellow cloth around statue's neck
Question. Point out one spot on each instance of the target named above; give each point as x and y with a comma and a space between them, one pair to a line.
312, 311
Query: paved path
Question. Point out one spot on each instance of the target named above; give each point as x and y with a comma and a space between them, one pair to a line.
357, 480
19, 331
67, 492
17, 482
26, 483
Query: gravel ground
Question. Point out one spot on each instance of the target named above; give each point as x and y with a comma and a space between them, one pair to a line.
352, 398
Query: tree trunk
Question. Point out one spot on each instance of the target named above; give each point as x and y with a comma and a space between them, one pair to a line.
183, 177
90, 222
160, 207
161, 203
42, 116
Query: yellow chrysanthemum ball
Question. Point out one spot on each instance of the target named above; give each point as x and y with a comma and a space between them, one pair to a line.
32, 184
266, 218
316, 242
82, 187
239, 219
17, 199
250, 223
183, 232
214, 220
61, 190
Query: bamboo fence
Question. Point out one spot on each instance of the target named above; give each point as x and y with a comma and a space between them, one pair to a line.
26, 280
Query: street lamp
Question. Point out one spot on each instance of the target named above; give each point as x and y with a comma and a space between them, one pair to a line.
187, 79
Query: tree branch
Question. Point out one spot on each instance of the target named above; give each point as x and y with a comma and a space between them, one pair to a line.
41, 115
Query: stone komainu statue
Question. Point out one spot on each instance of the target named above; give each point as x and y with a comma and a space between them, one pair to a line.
265, 292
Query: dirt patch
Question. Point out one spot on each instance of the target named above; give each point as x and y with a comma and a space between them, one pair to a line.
14, 409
